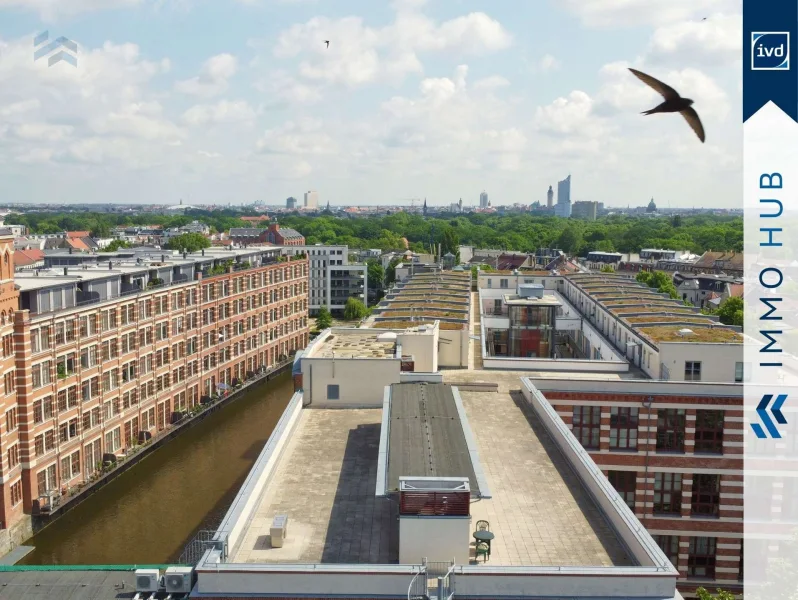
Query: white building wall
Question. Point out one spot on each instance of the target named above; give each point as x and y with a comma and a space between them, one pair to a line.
493, 281
423, 348
439, 539
360, 381
717, 360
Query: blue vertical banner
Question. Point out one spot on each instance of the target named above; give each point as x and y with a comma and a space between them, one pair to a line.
770, 202
769, 56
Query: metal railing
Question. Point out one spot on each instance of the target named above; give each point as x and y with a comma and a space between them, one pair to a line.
199, 545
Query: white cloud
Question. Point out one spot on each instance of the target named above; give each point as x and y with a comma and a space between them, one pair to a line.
716, 41
360, 54
572, 117
213, 79
285, 87
548, 63
49, 10
304, 137
42, 132
629, 13
225, 111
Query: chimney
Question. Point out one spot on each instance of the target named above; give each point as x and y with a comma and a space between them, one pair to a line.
110, 265
185, 255
66, 271
163, 258
70, 249
203, 252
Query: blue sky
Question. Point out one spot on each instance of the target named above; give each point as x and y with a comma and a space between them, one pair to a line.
239, 101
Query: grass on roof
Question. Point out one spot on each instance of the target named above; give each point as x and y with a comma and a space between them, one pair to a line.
702, 335
425, 305
698, 319
423, 313
408, 324
643, 308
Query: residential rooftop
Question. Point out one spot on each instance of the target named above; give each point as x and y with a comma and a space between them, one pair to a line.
545, 300
701, 335
325, 482
354, 344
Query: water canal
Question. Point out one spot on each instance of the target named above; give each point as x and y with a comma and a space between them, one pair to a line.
149, 513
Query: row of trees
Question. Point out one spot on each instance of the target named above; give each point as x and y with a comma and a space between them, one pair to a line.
100, 225
525, 233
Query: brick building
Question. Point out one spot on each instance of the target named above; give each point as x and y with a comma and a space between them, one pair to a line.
674, 452
274, 235
105, 352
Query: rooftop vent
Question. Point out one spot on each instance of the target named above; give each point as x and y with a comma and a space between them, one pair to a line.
530, 290
685, 332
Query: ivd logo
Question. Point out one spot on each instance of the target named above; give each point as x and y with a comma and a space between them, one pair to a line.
770, 51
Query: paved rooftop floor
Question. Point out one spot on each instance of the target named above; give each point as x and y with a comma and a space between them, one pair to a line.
539, 510
325, 482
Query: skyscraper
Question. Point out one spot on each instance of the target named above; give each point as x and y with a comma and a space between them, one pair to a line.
563, 208
312, 200
550, 198
290, 203
483, 200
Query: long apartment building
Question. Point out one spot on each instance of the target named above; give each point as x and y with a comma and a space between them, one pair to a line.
333, 280
95, 354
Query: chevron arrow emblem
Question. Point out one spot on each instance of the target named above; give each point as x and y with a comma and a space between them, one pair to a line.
66, 54
762, 411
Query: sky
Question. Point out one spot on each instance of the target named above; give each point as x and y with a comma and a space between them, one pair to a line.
239, 101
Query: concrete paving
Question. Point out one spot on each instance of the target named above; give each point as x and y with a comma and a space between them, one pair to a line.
325, 482
539, 512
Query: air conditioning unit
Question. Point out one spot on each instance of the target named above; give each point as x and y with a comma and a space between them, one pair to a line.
147, 580
179, 580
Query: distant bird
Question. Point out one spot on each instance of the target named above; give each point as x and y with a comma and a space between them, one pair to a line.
673, 103
327, 42
704, 19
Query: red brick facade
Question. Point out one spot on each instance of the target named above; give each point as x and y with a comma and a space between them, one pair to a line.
720, 534
90, 379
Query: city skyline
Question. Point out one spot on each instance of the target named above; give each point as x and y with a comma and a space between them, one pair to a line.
260, 110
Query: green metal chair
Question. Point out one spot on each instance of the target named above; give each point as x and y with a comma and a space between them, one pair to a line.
482, 549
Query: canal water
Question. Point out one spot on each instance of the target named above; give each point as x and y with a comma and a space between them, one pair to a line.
148, 514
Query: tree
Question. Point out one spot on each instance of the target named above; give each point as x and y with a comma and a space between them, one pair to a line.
658, 280
703, 594
570, 239
100, 230
731, 311
354, 310
390, 272
376, 274
324, 318
451, 243
115, 245
190, 242
607, 269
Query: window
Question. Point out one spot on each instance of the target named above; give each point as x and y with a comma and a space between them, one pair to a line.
504, 283
624, 483
16, 493
706, 495
692, 371
46, 480
742, 372
623, 427
333, 392
13, 456
668, 493
701, 557
669, 544
11, 419
670, 429
587, 425
113, 440
709, 431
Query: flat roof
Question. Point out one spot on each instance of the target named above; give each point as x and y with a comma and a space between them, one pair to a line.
545, 300
72, 584
426, 435
705, 335
325, 481
353, 344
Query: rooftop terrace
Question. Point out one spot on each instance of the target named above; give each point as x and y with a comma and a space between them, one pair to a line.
354, 344
325, 483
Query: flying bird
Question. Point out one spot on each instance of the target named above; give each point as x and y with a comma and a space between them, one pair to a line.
327, 42
673, 103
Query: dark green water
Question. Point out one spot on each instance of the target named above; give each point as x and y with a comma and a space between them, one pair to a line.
148, 514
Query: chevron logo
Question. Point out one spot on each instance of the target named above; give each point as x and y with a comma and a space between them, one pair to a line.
68, 54
762, 411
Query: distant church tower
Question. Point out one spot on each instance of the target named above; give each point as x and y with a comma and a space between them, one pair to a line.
550, 198
425, 207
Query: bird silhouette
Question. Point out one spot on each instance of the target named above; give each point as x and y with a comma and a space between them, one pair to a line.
673, 103
704, 19
327, 42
